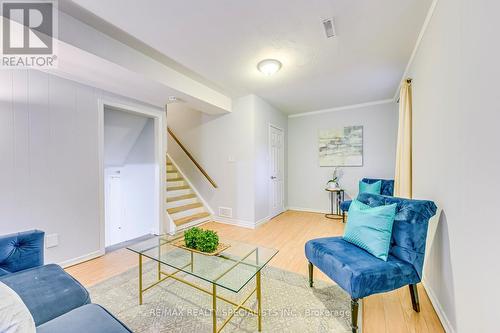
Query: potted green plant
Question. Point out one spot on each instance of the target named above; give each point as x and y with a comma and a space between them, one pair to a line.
201, 240
333, 183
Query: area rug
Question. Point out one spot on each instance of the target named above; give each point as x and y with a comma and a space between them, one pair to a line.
288, 304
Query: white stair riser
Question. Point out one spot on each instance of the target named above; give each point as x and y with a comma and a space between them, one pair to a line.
176, 183
187, 213
173, 175
184, 202
170, 168
178, 193
191, 224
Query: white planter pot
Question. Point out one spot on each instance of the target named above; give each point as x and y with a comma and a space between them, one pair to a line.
332, 186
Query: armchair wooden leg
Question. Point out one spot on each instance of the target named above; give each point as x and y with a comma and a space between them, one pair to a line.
354, 314
414, 297
311, 267
343, 216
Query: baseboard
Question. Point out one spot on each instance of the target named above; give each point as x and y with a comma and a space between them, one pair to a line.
310, 210
78, 260
236, 222
263, 221
241, 223
439, 309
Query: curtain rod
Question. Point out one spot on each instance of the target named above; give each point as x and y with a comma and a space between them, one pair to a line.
408, 80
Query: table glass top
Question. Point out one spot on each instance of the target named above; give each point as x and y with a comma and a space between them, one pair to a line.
232, 269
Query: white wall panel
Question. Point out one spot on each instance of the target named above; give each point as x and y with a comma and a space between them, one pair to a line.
49, 173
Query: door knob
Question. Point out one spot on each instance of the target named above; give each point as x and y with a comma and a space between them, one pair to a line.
272, 177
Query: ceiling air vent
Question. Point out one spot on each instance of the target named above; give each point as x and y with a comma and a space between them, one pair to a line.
174, 99
329, 25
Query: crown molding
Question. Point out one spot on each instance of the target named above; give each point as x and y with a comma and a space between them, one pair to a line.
428, 18
340, 108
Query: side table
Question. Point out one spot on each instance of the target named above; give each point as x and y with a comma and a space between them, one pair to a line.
337, 196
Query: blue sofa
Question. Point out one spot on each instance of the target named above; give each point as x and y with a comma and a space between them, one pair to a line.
386, 188
361, 274
57, 302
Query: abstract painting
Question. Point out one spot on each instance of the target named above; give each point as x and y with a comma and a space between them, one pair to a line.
341, 146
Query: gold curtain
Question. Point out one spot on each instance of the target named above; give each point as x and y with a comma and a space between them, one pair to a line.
403, 174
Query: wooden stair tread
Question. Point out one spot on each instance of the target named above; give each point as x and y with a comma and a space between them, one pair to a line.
177, 179
185, 207
176, 188
191, 218
181, 197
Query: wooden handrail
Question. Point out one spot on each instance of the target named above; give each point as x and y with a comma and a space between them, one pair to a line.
211, 181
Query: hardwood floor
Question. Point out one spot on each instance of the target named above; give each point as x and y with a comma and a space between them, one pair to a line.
288, 232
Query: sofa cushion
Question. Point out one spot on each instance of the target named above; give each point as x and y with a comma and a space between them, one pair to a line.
89, 318
48, 291
386, 188
357, 271
373, 188
21, 251
370, 228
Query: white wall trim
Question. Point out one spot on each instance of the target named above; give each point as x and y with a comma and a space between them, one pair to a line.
340, 108
241, 223
263, 221
78, 260
235, 222
308, 210
439, 309
160, 125
427, 20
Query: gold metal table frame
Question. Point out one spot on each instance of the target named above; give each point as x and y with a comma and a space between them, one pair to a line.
162, 276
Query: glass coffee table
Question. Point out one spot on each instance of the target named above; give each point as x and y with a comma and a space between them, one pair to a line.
232, 270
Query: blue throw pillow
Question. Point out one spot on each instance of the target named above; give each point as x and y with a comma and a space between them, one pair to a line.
370, 228
373, 188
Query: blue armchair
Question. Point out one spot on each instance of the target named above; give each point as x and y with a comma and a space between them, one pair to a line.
361, 274
386, 188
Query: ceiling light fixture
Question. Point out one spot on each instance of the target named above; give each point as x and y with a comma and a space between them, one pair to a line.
269, 66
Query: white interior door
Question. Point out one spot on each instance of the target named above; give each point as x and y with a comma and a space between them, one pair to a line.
276, 173
113, 211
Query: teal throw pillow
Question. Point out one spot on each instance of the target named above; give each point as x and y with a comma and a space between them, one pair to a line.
370, 228
373, 188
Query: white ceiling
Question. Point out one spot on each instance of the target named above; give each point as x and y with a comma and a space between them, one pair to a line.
223, 40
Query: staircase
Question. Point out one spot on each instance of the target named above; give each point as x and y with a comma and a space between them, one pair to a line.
184, 206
